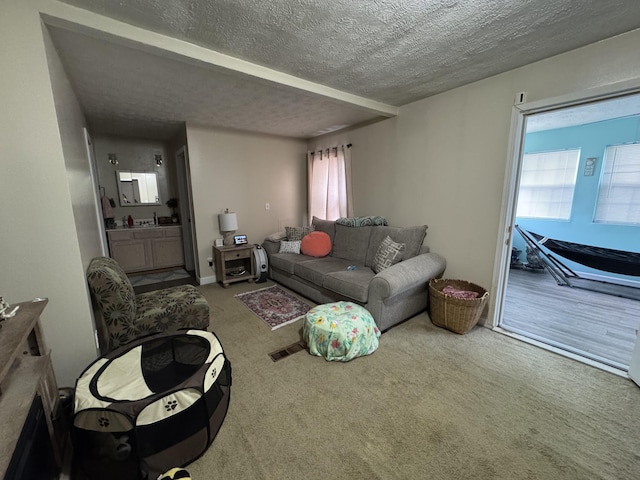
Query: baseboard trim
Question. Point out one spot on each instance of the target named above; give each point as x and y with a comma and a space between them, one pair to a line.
564, 353
207, 280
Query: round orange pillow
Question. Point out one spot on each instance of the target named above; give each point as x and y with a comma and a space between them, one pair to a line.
316, 244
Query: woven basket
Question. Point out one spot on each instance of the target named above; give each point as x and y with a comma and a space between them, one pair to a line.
458, 315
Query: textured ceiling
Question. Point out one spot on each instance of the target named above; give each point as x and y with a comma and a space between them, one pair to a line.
149, 96
391, 51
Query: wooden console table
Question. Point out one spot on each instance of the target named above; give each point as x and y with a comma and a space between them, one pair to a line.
25, 371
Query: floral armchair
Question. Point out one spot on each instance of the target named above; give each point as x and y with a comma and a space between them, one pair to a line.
123, 316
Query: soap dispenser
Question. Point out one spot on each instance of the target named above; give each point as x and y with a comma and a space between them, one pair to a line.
130, 221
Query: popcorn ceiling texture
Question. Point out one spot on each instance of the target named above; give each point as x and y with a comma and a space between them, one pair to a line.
392, 51
126, 89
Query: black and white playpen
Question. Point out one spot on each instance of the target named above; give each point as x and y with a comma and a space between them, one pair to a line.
151, 405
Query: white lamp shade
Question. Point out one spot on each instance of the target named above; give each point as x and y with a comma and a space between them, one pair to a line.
228, 222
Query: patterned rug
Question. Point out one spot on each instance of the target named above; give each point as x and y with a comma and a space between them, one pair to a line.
274, 306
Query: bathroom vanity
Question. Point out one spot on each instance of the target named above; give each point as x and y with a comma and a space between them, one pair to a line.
143, 248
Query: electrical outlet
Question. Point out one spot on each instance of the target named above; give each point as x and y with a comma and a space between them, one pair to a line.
210, 260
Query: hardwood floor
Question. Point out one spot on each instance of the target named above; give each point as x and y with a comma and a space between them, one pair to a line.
595, 325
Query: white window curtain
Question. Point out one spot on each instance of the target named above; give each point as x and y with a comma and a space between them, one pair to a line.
619, 192
329, 171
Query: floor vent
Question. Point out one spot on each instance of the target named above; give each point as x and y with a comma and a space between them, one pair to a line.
288, 350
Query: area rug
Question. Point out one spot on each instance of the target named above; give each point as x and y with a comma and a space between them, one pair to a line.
274, 306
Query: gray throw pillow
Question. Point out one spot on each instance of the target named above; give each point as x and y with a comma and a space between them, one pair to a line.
290, 247
389, 253
296, 233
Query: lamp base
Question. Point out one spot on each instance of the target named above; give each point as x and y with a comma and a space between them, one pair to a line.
228, 238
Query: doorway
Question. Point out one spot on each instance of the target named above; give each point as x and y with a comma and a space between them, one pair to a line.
97, 190
594, 327
186, 213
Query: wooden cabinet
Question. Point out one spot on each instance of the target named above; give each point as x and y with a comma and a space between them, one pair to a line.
168, 251
25, 372
147, 248
234, 264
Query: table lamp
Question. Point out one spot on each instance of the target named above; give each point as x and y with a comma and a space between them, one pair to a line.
228, 226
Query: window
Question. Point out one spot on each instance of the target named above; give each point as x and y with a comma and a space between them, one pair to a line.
329, 185
547, 182
619, 192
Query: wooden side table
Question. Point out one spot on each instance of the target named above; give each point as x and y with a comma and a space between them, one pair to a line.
234, 264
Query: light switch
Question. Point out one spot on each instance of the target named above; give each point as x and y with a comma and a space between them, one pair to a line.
267, 206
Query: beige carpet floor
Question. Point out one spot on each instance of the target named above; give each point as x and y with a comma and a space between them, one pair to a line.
428, 404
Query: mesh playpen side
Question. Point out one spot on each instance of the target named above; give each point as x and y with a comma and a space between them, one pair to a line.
151, 405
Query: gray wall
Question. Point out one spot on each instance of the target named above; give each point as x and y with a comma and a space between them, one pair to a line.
442, 161
242, 172
48, 231
135, 154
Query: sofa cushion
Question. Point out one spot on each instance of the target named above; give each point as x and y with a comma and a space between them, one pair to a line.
112, 290
350, 283
277, 236
389, 253
316, 244
171, 308
326, 226
314, 270
286, 261
412, 237
297, 233
351, 243
289, 247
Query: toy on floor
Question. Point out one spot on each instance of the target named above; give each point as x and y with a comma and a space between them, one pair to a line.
175, 474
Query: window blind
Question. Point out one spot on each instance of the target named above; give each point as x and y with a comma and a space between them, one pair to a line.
619, 190
547, 183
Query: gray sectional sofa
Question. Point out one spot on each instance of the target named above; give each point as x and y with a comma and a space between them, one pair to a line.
392, 295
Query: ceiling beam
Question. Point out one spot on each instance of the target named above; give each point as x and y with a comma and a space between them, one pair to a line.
72, 18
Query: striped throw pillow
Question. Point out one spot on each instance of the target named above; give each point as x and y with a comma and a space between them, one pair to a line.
388, 253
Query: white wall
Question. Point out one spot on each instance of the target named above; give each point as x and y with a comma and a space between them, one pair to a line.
71, 124
242, 172
442, 161
40, 252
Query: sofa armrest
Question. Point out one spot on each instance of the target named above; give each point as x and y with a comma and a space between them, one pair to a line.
271, 246
406, 275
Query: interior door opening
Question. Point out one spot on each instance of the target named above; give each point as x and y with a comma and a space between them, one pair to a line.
186, 213
557, 196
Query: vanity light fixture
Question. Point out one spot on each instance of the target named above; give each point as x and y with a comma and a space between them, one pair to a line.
113, 158
158, 158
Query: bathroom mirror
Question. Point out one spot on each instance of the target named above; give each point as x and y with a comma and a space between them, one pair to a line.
137, 189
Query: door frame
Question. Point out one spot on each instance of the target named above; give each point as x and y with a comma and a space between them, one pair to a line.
519, 114
183, 173
95, 181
